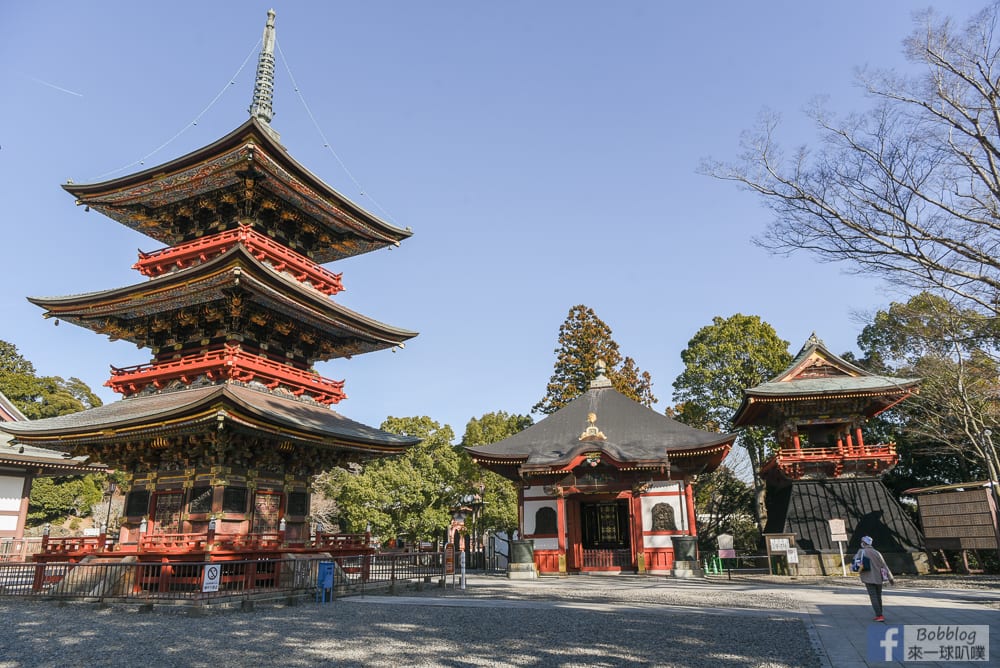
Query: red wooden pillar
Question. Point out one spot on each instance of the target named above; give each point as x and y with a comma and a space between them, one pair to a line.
638, 541
861, 441
561, 531
574, 557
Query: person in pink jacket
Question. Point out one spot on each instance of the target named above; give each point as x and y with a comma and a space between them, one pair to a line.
875, 576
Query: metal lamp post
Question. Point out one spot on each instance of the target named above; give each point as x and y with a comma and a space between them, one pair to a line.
111, 495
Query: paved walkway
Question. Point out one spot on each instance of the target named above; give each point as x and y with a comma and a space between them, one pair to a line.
836, 613
840, 616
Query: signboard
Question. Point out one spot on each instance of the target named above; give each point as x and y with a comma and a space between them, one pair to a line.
726, 550
210, 582
324, 578
793, 555
449, 559
838, 530
780, 545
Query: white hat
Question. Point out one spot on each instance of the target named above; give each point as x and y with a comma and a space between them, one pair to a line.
866, 540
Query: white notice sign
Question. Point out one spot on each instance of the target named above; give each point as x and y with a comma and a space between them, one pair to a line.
793, 555
212, 577
780, 545
838, 531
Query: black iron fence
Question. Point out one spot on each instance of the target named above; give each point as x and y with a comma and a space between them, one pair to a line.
145, 582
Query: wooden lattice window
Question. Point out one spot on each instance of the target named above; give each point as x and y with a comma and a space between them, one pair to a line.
234, 500
137, 503
201, 500
298, 504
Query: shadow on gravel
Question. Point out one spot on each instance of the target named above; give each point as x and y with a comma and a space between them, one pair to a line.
41, 634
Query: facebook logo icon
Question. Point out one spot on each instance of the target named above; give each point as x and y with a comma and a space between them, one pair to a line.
885, 642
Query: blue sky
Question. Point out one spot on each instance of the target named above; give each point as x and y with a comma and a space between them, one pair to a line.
545, 154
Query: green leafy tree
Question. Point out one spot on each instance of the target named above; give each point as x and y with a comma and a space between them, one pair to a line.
585, 339
499, 495
55, 499
908, 190
410, 495
42, 397
941, 431
720, 362
725, 504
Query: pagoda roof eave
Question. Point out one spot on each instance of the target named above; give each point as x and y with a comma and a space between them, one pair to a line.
235, 267
174, 410
135, 187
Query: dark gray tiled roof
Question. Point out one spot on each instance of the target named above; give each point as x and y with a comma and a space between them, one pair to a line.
854, 378
633, 433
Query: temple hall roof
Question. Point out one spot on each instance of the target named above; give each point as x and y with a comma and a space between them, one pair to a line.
602, 419
42, 460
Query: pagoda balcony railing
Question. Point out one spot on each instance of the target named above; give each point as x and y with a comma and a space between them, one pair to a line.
832, 461
262, 247
230, 363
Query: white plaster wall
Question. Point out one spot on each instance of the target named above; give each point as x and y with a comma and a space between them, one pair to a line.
545, 543
10, 492
657, 541
530, 508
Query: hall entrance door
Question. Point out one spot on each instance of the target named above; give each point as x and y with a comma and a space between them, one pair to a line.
167, 512
605, 537
266, 512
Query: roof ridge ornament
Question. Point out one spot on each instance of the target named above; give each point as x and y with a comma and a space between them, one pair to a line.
263, 90
592, 433
601, 380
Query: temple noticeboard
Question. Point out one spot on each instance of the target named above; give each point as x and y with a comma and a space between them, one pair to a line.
959, 517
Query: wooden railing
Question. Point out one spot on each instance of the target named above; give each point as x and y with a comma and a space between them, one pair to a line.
262, 247
231, 363
19, 549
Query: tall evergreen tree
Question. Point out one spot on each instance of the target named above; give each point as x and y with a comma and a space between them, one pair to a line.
585, 339
721, 361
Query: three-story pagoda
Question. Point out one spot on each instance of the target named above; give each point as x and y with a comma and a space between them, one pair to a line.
224, 428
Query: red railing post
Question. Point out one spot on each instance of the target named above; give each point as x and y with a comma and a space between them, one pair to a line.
166, 572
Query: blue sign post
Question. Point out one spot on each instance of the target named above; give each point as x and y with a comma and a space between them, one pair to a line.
324, 580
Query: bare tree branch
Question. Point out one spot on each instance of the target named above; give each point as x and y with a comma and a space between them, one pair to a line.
908, 191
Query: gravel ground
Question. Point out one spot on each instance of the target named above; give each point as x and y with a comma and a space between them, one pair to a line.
571, 622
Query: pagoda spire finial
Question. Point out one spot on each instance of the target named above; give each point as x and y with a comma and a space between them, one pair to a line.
263, 89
